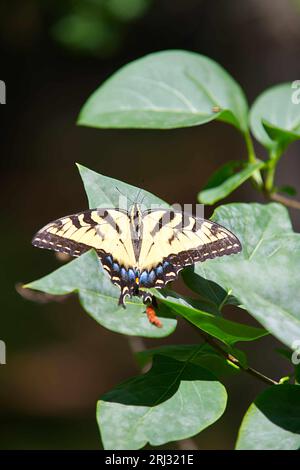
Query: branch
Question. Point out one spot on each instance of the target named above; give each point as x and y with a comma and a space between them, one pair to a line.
235, 361
284, 200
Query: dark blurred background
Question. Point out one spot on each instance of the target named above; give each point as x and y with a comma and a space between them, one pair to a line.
54, 54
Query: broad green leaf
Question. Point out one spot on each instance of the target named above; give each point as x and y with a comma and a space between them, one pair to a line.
99, 297
205, 356
228, 178
275, 118
146, 408
227, 331
166, 90
265, 276
273, 421
103, 191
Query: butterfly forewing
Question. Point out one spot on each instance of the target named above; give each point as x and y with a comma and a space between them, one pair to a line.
105, 230
182, 239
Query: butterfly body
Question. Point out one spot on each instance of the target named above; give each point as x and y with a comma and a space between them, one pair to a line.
139, 249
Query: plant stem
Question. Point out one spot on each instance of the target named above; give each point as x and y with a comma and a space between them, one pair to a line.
235, 361
269, 189
275, 154
252, 159
284, 200
250, 148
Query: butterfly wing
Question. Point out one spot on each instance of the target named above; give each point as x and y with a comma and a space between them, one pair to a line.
172, 240
105, 230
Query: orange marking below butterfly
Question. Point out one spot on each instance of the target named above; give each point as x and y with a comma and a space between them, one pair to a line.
152, 316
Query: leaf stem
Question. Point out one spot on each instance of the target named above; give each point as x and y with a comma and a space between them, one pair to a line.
249, 370
252, 159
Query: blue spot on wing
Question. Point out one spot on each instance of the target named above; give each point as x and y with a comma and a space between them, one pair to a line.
151, 277
108, 259
124, 274
159, 270
116, 267
144, 278
131, 274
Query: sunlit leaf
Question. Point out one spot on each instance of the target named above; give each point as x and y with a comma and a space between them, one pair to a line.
275, 117
99, 297
265, 276
167, 90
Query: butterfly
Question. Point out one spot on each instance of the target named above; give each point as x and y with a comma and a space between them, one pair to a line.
138, 248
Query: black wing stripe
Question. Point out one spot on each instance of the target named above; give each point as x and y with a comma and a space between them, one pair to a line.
165, 219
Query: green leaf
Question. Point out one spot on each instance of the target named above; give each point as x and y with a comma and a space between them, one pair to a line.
103, 191
273, 421
204, 356
146, 408
166, 90
227, 331
99, 297
274, 118
265, 276
204, 303
225, 180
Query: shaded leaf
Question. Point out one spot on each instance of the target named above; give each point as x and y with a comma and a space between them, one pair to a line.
265, 276
146, 408
227, 331
205, 356
226, 180
167, 90
289, 190
272, 421
209, 291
